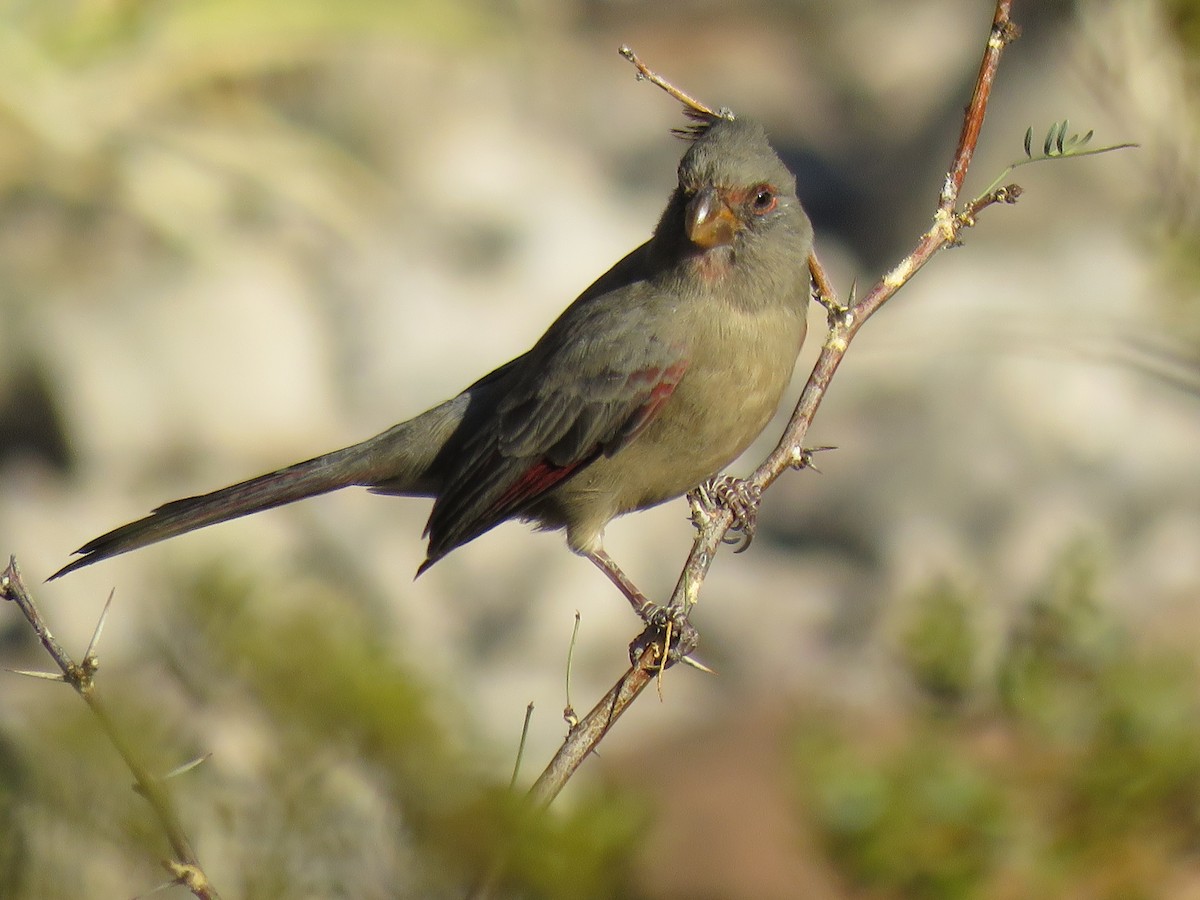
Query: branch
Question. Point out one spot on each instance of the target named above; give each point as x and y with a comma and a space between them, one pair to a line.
591, 728
689, 102
844, 323
185, 868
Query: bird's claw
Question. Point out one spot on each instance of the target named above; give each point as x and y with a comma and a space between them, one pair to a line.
670, 631
740, 497
657, 617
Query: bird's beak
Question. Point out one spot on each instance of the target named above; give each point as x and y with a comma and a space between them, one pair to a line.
709, 220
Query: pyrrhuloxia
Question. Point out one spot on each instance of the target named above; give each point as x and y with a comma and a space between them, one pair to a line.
657, 376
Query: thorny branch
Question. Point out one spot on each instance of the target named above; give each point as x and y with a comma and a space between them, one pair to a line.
652, 652
844, 323
185, 867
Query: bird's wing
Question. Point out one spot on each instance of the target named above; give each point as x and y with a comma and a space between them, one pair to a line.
597, 378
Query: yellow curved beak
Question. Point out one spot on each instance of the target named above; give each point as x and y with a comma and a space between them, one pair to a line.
709, 221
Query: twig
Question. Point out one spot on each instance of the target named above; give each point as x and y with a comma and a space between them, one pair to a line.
943, 232
595, 725
1004, 32
588, 731
644, 73
844, 323
569, 715
512, 782
185, 868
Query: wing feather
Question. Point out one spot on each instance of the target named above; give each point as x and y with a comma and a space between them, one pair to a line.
548, 429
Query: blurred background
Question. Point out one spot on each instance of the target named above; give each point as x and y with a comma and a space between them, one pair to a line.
958, 662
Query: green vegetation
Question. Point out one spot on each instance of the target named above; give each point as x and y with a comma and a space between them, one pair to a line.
1070, 767
350, 776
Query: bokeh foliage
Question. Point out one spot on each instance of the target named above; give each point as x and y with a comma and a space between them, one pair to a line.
351, 776
1069, 766
166, 122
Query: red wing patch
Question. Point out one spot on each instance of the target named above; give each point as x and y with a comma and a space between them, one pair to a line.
543, 475
463, 513
664, 383
538, 479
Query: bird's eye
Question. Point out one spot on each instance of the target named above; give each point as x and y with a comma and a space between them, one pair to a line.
763, 199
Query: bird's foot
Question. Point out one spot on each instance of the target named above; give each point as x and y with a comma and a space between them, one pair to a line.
673, 637
740, 497
667, 629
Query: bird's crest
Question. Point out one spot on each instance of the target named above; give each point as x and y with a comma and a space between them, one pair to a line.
702, 121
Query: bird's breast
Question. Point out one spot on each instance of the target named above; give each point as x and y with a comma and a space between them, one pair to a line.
739, 365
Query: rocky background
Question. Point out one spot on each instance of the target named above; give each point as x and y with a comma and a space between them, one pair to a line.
957, 662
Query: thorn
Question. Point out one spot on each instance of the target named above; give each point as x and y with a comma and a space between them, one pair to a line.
91, 650
174, 882
187, 766
802, 457
45, 676
697, 499
696, 664
190, 876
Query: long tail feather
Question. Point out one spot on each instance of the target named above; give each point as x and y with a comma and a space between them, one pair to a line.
306, 479
404, 460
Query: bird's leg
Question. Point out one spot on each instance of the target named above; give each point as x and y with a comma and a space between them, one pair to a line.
648, 611
740, 497
665, 627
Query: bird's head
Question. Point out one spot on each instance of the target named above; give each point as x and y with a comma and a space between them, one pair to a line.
735, 196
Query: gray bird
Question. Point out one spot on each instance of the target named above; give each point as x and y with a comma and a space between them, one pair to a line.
655, 378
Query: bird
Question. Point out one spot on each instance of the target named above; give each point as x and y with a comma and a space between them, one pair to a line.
652, 381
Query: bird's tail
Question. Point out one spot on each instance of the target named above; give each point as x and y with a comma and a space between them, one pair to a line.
402, 460
306, 479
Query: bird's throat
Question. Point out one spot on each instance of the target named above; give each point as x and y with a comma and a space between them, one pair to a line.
714, 264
